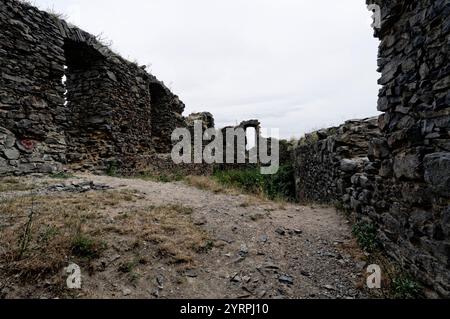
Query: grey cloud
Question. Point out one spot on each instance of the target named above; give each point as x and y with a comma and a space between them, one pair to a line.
294, 64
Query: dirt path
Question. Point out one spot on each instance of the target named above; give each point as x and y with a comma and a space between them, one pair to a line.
259, 249
262, 249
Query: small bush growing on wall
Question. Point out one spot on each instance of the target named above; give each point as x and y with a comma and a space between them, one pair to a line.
366, 235
404, 287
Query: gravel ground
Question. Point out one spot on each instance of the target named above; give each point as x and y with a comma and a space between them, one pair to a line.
261, 249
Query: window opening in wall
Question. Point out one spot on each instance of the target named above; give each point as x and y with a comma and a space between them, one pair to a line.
64, 82
160, 115
250, 142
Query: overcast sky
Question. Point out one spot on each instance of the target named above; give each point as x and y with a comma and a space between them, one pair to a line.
297, 65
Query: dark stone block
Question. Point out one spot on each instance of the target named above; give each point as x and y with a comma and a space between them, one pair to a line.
437, 172
378, 149
408, 166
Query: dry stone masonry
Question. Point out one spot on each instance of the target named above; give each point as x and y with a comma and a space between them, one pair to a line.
327, 160
396, 173
108, 111
68, 100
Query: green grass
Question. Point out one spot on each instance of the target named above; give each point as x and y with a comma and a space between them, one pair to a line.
86, 247
163, 178
62, 175
112, 169
404, 287
128, 267
277, 186
366, 235
48, 234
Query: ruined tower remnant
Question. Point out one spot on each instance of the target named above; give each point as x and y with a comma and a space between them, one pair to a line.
241, 152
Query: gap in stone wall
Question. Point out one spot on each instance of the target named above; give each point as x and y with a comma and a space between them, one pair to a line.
250, 142
85, 100
160, 115
63, 81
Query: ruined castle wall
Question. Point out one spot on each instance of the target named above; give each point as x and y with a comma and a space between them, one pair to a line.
110, 113
31, 93
166, 116
401, 180
109, 107
413, 181
326, 160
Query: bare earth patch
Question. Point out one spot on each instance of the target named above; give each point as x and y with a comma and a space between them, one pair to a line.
145, 239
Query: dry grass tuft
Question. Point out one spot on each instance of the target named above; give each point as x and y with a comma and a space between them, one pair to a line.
81, 228
63, 228
252, 199
10, 184
392, 274
208, 184
170, 229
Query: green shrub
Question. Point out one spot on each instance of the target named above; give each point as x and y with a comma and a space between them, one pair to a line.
278, 186
405, 288
128, 267
48, 233
366, 235
61, 175
86, 247
281, 184
112, 169
248, 180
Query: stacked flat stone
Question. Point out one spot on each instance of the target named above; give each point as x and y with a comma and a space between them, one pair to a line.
113, 109
400, 178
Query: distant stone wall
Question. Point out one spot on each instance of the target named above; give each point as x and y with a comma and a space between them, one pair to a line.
113, 109
397, 178
162, 165
240, 148
326, 160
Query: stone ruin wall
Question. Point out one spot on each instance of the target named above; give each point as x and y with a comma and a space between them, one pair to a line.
394, 171
240, 150
114, 112
326, 160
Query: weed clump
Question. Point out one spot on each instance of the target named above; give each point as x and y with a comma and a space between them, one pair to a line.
9, 184
404, 287
163, 178
277, 186
366, 235
86, 247
112, 169
62, 175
